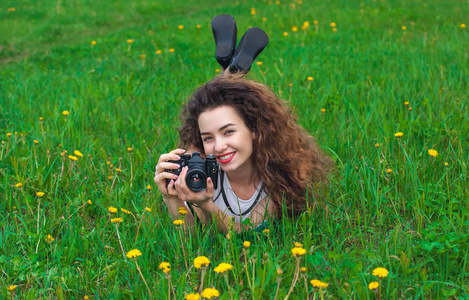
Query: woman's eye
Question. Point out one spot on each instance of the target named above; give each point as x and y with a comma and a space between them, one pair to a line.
206, 139
229, 131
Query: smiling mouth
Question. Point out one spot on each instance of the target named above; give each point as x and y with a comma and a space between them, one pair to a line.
226, 158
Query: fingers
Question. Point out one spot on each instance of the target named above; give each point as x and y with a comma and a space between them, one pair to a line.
180, 184
163, 161
171, 189
210, 190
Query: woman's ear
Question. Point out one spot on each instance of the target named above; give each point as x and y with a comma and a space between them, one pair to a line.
254, 135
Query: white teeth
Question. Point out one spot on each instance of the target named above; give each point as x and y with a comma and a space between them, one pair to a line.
226, 156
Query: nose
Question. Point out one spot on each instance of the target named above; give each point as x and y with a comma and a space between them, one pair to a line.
220, 146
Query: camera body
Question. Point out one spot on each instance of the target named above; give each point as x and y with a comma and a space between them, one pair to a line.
198, 172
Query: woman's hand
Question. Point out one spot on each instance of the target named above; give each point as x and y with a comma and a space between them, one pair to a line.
161, 173
186, 194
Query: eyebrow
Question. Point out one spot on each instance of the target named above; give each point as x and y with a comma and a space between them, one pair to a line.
221, 128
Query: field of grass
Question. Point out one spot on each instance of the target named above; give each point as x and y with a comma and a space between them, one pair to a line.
123, 69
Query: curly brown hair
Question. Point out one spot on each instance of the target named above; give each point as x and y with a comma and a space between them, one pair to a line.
286, 157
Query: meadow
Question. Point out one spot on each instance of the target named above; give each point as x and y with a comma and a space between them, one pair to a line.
90, 95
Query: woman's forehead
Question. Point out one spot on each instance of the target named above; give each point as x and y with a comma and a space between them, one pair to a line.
218, 117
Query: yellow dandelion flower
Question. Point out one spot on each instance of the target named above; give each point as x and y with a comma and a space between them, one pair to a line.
108, 162
265, 231
130, 41
10, 9
112, 209
125, 211
86, 297
201, 261
78, 153
433, 152
279, 271
277, 2
39, 194
334, 29
118, 170
398, 134
171, 50
380, 272
178, 222
116, 220
389, 171
298, 251
318, 284
165, 266
463, 25
306, 23
303, 269
19, 184
410, 108
406, 103
304, 27
253, 12
246, 244
446, 163
134, 253
110, 177
285, 33
158, 52
298, 245
9, 134
404, 28
323, 110
223, 267
198, 26
93, 43
11, 288
49, 239
373, 285
259, 63
209, 293
310, 78
65, 113
315, 22
192, 296
294, 29
333, 24
148, 187
36, 142
89, 202
217, 70
181, 27
73, 157
377, 145
182, 210
147, 209
129, 149
264, 19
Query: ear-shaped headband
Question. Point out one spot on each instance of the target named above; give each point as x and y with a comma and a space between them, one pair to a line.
251, 45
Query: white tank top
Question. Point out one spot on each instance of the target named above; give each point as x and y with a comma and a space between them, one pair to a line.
242, 208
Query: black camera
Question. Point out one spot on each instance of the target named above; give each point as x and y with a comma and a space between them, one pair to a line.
198, 172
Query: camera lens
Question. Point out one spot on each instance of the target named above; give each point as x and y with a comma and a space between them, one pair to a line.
196, 180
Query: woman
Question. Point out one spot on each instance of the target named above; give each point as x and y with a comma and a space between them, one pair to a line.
267, 161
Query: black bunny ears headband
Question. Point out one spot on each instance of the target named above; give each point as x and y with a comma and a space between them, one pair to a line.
251, 45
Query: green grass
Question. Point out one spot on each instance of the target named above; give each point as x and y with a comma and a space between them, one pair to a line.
413, 221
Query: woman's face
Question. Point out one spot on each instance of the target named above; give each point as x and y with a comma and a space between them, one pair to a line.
225, 135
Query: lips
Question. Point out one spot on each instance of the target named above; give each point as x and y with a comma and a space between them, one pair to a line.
226, 158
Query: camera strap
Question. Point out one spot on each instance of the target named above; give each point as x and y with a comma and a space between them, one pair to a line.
228, 204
